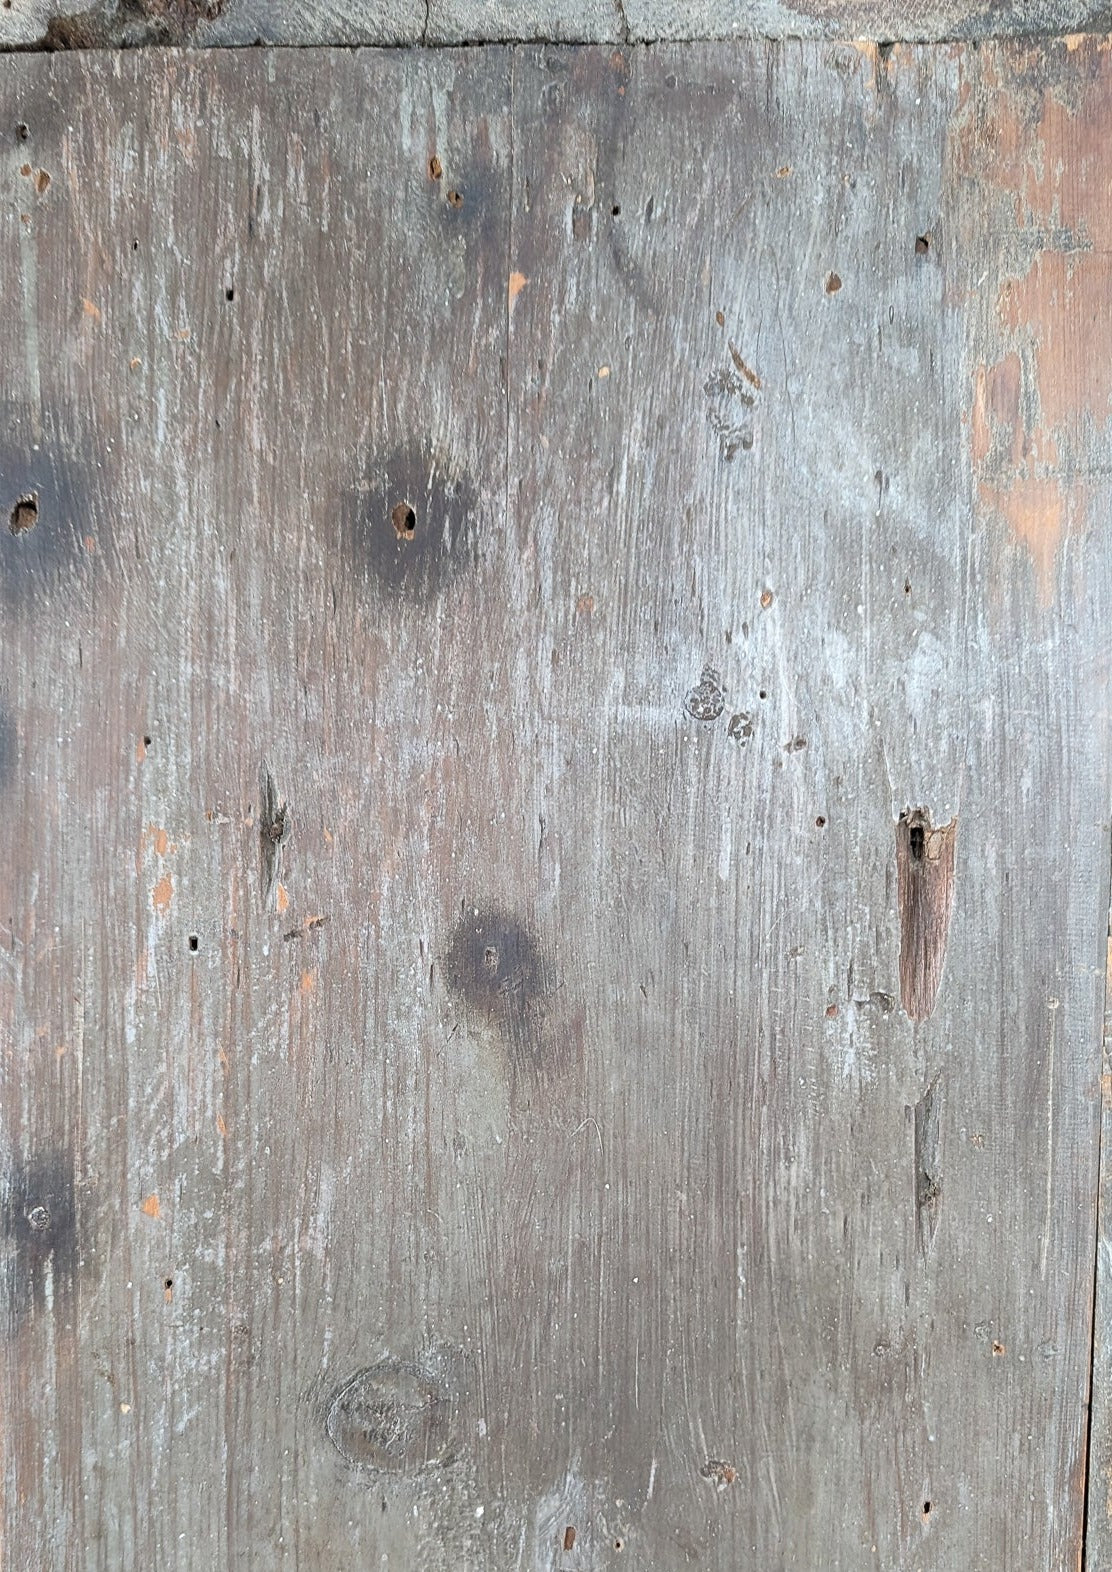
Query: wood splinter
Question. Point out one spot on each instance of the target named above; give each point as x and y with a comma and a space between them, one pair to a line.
925, 879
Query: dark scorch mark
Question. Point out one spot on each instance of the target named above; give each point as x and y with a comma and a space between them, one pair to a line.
413, 524
38, 1235
50, 537
495, 967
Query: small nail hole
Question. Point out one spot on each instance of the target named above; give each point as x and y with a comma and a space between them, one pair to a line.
229, 293
922, 245
25, 515
22, 131
404, 520
194, 942
135, 245
168, 1284
616, 210
820, 823
926, 1509
763, 694
146, 742
455, 199
907, 586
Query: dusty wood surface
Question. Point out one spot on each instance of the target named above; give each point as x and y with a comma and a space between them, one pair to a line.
457, 1105
111, 24
1098, 1539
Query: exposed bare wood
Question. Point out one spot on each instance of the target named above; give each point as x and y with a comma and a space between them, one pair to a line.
925, 870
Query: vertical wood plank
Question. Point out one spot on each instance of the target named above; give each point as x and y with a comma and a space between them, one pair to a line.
514, 531
1098, 1483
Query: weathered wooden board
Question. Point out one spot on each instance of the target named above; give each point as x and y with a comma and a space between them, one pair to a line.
510, 533
1098, 1520
111, 24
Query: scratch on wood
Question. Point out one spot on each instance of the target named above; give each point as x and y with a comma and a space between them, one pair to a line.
746, 370
928, 1162
925, 874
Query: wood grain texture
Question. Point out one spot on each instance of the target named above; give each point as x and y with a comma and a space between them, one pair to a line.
1098, 1515
128, 24
454, 1088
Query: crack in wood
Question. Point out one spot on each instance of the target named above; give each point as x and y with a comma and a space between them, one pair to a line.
925, 875
928, 1161
274, 832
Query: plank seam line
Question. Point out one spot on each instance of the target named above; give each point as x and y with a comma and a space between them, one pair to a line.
420, 43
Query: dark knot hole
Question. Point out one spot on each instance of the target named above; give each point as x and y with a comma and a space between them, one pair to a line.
404, 520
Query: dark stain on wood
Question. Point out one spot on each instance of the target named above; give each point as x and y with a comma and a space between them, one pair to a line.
706, 700
925, 874
130, 25
472, 209
48, 535
928, 1161
728, 402
495, 967
437, 507
393, 1417
9, 747
38, 1225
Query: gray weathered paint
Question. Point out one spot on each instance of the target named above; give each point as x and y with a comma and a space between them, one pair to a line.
528, 1135
70, 24
1098, 1522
